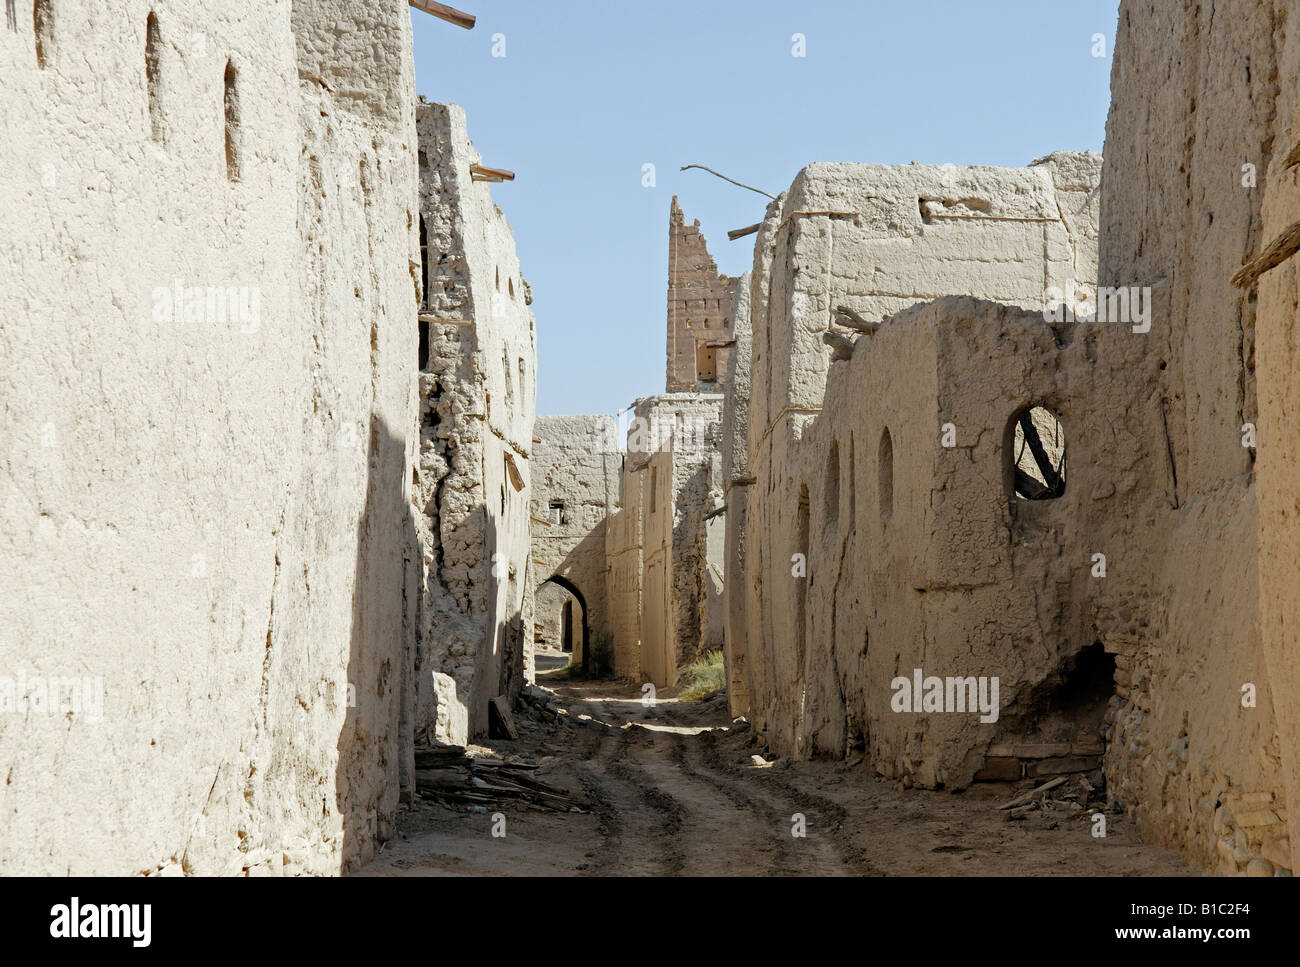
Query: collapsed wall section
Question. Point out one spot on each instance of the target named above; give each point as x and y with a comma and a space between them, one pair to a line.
477, 358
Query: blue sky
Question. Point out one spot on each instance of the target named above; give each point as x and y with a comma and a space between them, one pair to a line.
589, 92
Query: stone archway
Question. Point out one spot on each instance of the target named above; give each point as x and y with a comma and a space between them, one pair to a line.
584, 635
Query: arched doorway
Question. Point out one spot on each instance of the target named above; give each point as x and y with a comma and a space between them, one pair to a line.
562, 619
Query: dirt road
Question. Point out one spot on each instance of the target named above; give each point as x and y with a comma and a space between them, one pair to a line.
674, 790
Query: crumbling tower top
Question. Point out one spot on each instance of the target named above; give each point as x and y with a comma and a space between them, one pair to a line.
699, 310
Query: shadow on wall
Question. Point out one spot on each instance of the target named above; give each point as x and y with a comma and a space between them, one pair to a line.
383, 629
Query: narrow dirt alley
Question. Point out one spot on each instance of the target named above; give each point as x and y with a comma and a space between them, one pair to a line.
675, 789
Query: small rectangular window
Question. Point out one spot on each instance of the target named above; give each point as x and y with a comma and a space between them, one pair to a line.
558, 516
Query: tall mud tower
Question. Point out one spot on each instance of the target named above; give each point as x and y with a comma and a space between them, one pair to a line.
699, 311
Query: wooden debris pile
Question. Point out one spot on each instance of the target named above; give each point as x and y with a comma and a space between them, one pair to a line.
1078, 797
450, 775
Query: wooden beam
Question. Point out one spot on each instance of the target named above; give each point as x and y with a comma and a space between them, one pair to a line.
482, 173
516, 478
736, 233
1029, 796
1051, 477
856, 321
1278, 251
444, 12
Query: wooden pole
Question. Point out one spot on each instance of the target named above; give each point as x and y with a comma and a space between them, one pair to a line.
1281, 249
444, 12
736, 233
480, 173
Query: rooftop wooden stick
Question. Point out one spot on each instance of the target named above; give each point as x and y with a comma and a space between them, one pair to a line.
444, 12
491, 174
736, 233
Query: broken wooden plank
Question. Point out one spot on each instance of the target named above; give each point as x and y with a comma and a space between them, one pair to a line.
499, 764
441, 779
514, 786
855, 321
1061, 765
440, 757
483, 173
736, 233
528, 782
444, 12
516, 477
1032, 794
500, 721
1278, 251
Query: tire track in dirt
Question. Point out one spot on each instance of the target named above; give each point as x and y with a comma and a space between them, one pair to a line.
719, 834
822, 813
639, 823
811, 855
784, 861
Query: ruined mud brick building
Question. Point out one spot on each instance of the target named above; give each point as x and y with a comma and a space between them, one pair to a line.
478, 379
624, 531
875, 239
576, 469
1172, 661
671, 481
207, 473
